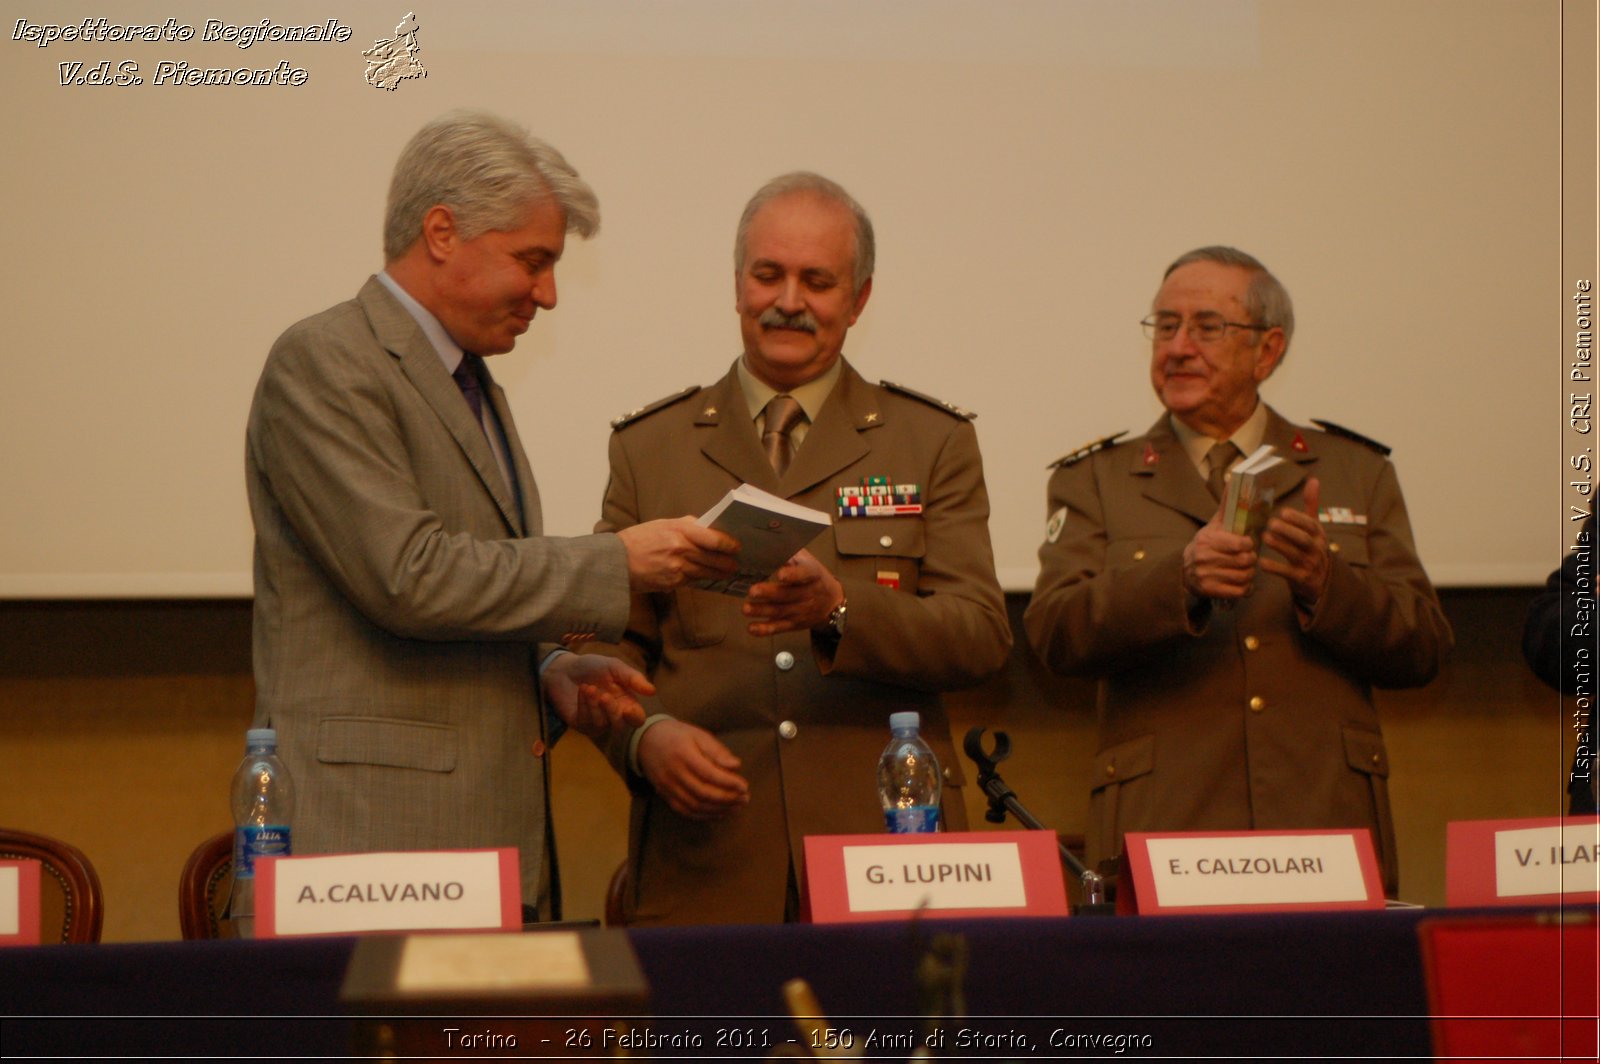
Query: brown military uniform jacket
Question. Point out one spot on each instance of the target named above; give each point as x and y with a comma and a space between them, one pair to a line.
807, 720
1257, 719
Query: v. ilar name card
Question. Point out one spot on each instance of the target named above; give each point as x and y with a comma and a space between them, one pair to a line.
1522, 862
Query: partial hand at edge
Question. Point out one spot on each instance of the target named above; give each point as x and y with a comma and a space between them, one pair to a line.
692, 770
668, 553
1299, 537
594, 693
796, 598
1218, 564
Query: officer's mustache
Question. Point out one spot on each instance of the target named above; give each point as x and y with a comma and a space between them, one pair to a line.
773, 318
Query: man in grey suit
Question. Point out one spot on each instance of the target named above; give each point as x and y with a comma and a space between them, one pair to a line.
409, 613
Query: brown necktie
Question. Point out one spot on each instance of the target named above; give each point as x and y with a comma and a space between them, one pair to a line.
1219, 458
783, 414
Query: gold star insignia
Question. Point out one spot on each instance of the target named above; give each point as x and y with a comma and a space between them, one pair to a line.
871, 418
711, 411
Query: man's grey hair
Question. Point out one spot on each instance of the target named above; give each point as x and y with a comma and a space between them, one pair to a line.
489, 172
803, 181
1266, 301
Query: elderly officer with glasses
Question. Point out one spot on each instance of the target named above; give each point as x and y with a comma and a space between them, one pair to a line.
1236, 671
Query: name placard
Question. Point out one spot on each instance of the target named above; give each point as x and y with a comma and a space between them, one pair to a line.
1253, 871
854, 878
1522, 862
421, 890
19, 903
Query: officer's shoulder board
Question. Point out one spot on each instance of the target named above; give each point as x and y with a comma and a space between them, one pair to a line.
938, 404
1339, 430
1086, 450
645, 411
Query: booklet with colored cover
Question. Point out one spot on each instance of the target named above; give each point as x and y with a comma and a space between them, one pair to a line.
1247, 504
770, 531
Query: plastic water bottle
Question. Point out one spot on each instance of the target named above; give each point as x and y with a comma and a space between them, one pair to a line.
908, 778
263, 813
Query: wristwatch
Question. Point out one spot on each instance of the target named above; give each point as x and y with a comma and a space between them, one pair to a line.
836, 618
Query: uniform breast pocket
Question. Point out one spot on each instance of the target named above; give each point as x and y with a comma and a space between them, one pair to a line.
1350, 546
1134, 551
884, 550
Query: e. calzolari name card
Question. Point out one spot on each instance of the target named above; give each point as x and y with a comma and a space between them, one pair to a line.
1206, 872
423, 890
884, 877
1522, 862
19, 903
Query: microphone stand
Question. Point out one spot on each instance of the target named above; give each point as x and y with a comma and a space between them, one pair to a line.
1003, 800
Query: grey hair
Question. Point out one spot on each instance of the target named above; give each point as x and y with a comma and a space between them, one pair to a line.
803, 181
1266, 301
489, 172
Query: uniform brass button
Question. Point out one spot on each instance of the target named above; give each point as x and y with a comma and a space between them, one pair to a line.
1111, 769
1376, 760
1333, 548
1257, 704
537, 750
784, 660
885, 541
1252, 643
949, 775
788, 730
1138, 555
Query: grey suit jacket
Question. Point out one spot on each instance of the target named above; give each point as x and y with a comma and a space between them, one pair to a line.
400, 595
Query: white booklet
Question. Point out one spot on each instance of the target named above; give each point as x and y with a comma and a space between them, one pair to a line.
770, 531
1247, 505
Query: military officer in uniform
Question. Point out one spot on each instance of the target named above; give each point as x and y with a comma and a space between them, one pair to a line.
1235, 676
772, 708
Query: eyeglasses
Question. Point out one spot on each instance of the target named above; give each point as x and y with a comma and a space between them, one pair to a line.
1203, 328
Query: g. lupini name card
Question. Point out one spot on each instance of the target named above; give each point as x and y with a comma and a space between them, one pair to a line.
964, 873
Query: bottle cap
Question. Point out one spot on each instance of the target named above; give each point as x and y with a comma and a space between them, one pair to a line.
906, 721
261, 737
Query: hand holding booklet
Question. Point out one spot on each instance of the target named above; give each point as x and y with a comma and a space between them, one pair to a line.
1247, 504
770, 531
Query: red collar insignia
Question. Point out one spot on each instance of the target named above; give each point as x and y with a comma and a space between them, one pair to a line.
1299, 444
1150, 455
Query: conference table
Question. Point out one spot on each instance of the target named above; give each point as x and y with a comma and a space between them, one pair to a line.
1317, 985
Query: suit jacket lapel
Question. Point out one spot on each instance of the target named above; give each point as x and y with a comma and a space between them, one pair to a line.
728, 436
1170, 479
527, 519
835, 439
399, 333
1296, 451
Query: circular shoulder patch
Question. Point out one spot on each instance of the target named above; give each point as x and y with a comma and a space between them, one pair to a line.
1053, 527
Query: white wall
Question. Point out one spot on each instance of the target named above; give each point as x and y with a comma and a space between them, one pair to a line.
1031, 166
